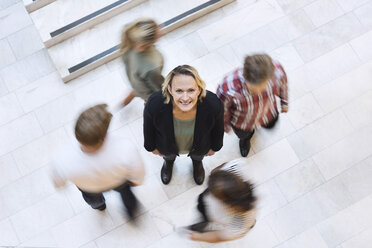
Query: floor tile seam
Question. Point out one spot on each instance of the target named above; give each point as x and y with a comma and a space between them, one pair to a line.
23, 144
294, 10
304, 193
50, 228
278, 243
287, 42
340, 107
172, 40
49, 101
11, 214
70, 92
314, 224
43, 230
10, 12
354, 50
20, 173
297, 235
16, 165
12, 153
283, 15
352, 165
116, 227
10, 44
316, 188
354, 127
323, 150
317, 226
14, 231
38, 121
11, 5
5, 39
125, 123
19, 106
355, 235
280, 189
333, 48
235, 9
29, 81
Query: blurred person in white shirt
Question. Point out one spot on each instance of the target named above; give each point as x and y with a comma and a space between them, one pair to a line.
99, 162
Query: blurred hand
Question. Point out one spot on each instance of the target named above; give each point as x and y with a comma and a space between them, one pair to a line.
156, 152
128, 99
285, 110
210, 153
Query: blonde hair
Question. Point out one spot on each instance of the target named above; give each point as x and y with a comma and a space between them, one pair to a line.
183, 70
91, 126
141, 31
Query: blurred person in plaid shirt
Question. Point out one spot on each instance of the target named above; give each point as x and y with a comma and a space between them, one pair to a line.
248, 95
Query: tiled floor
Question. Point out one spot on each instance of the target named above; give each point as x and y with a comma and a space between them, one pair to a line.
312, 172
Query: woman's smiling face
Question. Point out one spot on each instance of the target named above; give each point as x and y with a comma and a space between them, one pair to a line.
185, 92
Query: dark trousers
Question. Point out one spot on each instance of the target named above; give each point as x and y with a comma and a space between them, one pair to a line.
172, 157
97, 200
200, 226
247, 135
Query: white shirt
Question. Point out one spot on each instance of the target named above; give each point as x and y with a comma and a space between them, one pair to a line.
116, 162
230, 223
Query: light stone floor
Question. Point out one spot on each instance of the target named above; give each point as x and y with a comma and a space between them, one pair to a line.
312, 172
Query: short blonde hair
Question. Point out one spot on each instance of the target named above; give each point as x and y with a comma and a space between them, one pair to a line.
141, 31
91, 126
183, 70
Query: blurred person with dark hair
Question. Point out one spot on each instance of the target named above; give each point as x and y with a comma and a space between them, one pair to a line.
227, 206
249, 100
143, 62
99, 161
183, 118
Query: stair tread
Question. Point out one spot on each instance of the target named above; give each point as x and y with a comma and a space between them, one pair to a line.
107, 34
63, 12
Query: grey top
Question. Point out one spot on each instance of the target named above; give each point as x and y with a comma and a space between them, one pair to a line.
184, 133
144, 71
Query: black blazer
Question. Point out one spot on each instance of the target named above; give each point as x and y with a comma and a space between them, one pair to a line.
158, 126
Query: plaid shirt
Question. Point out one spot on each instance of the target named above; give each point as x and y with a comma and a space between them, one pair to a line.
246, 111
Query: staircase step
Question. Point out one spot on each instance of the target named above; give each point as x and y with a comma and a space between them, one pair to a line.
32, 5
64, 19
100, 44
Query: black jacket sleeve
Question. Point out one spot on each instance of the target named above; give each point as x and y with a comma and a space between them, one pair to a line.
218, 129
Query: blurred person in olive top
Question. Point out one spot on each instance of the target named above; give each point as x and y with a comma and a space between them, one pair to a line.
183, 118
99, 162
143, 62
249, 97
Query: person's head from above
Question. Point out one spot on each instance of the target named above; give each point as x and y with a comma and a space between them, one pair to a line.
139, 35
184, 87
91, 127
232, 190
257, 72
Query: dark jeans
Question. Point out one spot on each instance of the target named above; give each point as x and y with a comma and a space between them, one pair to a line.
247, 135
97, 200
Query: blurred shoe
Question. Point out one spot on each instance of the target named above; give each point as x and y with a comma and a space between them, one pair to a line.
245, 146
